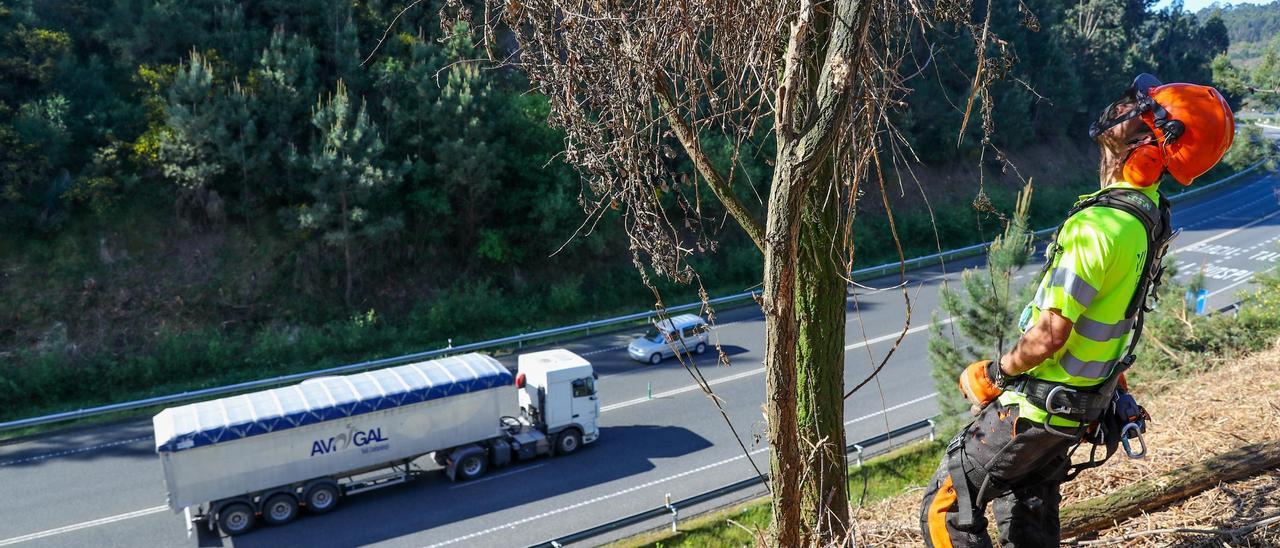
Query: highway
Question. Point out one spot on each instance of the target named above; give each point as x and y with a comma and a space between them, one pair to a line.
102, 486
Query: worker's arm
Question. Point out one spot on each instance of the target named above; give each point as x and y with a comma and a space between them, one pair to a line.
1044, 338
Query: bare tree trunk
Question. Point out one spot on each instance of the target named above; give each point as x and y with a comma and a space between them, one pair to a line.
820, 308
785, 202
804, 157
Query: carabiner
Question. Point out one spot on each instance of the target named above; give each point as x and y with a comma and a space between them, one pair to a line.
1125, 437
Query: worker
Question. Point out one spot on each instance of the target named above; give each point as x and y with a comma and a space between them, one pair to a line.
1035, 403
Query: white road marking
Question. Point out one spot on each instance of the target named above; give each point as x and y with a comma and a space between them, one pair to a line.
893, 408
85, 525
1218, 272
893, 336
753, 372
1220, 290
1222, 235
74, 451
681, 390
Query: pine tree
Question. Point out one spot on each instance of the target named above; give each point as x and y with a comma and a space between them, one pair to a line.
468, 152
985, 311
194, 128
351, 183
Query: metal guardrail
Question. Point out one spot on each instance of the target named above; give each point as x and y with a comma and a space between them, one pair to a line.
672, 508
515, 340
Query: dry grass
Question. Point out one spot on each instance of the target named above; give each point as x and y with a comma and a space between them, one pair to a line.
1235, 405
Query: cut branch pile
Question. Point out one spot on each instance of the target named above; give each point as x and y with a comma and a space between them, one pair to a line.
1228, 418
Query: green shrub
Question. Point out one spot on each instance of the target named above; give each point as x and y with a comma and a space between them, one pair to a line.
1178, 342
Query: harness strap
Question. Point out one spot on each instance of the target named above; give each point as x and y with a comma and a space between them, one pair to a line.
960, 480
1078, 404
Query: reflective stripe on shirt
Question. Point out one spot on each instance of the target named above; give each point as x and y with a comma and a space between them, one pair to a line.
1100, 331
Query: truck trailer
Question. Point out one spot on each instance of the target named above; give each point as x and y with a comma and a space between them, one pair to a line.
268, 455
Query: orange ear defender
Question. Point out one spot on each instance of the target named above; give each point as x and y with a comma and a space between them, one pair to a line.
1144, 166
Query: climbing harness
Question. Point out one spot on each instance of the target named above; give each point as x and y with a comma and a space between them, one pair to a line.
1109, 416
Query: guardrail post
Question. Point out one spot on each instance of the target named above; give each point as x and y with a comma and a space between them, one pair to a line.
933, 427
675, 514
858, 449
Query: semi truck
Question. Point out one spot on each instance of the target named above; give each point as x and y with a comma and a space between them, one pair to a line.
267, 456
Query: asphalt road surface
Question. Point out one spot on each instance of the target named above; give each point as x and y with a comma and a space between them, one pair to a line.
103, 487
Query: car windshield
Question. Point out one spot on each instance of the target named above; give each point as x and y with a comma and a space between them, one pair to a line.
654, 335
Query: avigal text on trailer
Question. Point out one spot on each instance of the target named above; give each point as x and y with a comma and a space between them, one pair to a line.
364, 439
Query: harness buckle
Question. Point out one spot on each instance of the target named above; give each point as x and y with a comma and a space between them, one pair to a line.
1125, 436
1065, 410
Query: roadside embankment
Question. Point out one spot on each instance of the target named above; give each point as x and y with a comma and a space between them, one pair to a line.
1193, 420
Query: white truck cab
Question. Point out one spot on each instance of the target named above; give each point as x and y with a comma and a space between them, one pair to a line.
558, 392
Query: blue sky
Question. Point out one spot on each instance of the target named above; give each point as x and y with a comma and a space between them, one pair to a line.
1195, 5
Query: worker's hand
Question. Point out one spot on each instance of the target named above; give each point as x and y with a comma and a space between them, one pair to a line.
977, 386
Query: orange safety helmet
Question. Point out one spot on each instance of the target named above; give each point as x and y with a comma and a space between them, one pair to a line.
1192, 128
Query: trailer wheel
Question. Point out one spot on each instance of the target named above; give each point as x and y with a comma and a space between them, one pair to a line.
321, 498
568, 442
472, 466
280, 508
236, 519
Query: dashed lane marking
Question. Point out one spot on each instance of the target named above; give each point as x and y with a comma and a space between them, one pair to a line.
84, 525
75, 451
1222, 235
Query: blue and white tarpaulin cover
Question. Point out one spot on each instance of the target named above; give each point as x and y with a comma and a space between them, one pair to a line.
324, 399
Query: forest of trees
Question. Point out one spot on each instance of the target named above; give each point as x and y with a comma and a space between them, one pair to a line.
1251, 27
172, 171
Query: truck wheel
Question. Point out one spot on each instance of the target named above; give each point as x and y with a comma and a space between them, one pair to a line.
280, 509
236, 519
702, 347
321, 498
656, 358
568, 442
472, 466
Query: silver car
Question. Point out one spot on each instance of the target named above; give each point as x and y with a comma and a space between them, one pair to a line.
684, 333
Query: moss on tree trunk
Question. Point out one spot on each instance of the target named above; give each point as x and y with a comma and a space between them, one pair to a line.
820, 311
1102, 512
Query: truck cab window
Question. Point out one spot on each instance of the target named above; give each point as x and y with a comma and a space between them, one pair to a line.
584, 387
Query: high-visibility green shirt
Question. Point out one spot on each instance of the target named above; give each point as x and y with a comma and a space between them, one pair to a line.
1091, 281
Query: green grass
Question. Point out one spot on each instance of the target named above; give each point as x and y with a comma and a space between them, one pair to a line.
881, 477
